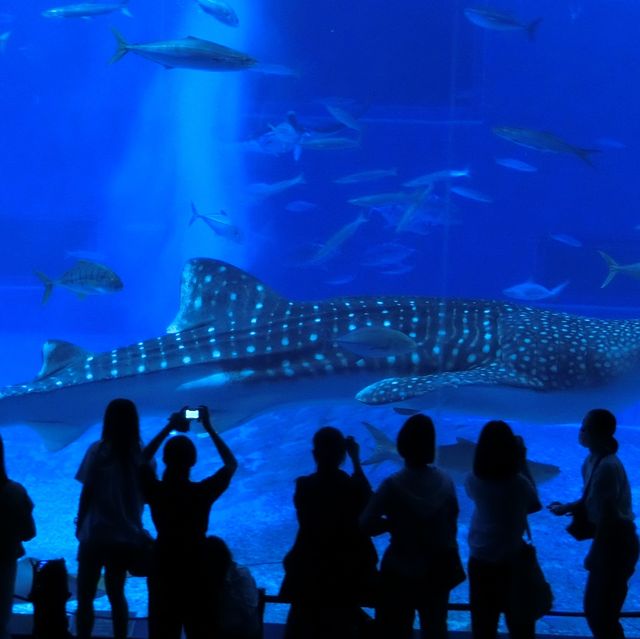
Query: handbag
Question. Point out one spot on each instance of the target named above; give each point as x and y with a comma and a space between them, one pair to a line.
529, 595
581, 527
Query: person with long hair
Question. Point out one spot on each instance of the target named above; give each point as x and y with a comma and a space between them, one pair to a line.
504, 494
419, 507
331, 567
17, 525
187, 571
109, 517
612, 558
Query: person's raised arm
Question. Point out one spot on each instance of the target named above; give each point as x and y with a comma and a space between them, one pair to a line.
353, 451
228, 458
177, 421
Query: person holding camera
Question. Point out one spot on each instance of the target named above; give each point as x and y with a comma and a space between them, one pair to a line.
504, 494
604, 514
182, 591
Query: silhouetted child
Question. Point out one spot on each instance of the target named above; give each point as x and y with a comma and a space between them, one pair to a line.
419, 507
331, 567
16, 526
183, 584
109, 521
503, 493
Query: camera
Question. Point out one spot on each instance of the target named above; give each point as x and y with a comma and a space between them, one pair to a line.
190, 413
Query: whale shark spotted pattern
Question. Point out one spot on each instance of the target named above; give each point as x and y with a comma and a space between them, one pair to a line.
241, 347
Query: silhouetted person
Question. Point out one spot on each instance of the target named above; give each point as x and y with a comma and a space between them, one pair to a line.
16, 526
614, 552
109, 515
503, 493
332, 565
183, 583
421, 564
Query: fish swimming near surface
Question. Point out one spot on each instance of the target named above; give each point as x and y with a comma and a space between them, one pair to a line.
186, 53
87, 9
456, 458
220, 224
220, 10
499, 21
632, 270
543, 141
243, 349
531, 291
84, 278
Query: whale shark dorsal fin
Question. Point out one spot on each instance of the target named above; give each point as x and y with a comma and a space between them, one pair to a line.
57, 354
218, 293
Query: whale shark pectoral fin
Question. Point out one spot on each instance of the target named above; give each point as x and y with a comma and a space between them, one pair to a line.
398, 389
57, 354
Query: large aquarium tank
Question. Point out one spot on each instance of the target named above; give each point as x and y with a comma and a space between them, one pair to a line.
303, 214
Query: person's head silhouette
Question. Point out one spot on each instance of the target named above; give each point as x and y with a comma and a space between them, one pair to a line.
121, 427
179, 456
498, 454
329, 448
416, 441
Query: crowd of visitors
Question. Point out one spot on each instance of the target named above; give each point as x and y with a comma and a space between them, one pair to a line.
331, 571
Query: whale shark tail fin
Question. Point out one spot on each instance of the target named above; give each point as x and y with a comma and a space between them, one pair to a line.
614, 267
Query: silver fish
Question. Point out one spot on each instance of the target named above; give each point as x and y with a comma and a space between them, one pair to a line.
516, 165
187, 53
428, 179
265, 189
498, 21
87, 9
471, 194
366, 176
220, 224
220, 10
84, 278
377, 342
632, 270
335, 242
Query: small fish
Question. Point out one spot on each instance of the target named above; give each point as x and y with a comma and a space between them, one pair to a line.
335, 242
437, 176
516, 165
569, 240
266, 189
340, 280
366, 176
377, 342
471, 194
401, 269
344, 117
498, 21
85, 278
376, 200
387, 254
301, 206
632, 270
186, 53
87, 9
220, 224
611, 143
220, 10
531, 291
314, 143
542, 141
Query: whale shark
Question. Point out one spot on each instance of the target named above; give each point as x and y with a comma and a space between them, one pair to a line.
243, 349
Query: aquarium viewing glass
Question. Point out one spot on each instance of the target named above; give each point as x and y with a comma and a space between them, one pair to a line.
373, 153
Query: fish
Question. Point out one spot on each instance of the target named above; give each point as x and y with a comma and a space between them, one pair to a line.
300, 206
471, 194
87, 9
386, 254
366, 176
340, 280
282, 138
377, 342
84, 278
516, 165
220, 224
186, 53
376, 200
344, 117
632, 270
532, 292
323, 143
497, 21
611, 143
400, 269
445, 175
242, 348
542, 141
335, 242
563, 238
456, 458
221, 11
266, 189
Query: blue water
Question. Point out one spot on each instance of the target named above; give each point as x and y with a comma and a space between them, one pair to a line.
103, 161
